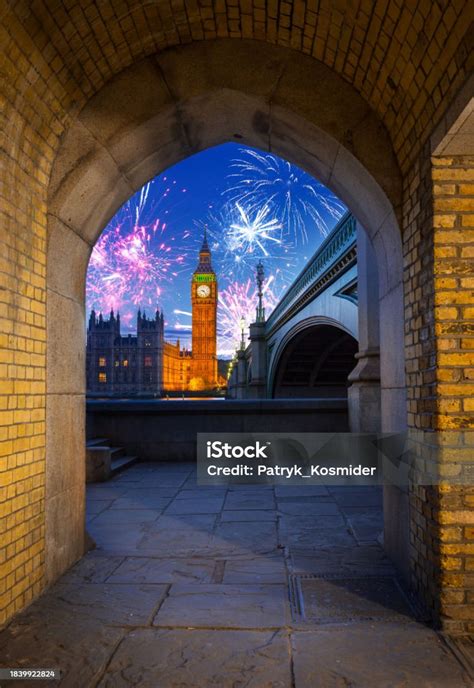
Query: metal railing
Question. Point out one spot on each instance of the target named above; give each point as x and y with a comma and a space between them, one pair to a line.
343, 236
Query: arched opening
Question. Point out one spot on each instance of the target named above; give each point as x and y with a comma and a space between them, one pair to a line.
316, 363
106, 164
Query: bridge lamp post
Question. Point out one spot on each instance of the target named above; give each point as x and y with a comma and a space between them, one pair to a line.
242, 324
260, 281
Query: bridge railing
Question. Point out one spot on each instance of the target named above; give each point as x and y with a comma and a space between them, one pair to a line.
333, 247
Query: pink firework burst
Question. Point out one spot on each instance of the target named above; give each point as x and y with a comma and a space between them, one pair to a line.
135, 258
238, 302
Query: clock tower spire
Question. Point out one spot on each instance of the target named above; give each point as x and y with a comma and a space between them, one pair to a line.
204, 322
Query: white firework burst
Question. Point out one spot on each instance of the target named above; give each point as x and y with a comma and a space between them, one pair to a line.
300, 201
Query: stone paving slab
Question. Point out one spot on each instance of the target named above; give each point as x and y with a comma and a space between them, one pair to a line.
359, 499
94, 507
142, 491
80, 649
107, 491
317, 538
251, 488
248, 515
169, 570
167, 480
177, 535
367, 560
126, 516
92, 568
125, 605
267, 570
112, 539
296, 523
159, 658
140, 502
301, 490
226, 606
201, 493
237, 501
252, 536
316, 508
348, 510
195, 506
368, 655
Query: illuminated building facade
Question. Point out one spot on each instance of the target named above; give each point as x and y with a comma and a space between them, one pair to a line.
145, 363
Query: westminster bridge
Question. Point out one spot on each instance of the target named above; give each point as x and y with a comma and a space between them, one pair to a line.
321, 340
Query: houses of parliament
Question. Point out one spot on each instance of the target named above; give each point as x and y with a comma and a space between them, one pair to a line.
147, 364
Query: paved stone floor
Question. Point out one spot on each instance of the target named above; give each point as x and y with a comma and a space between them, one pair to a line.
246, 587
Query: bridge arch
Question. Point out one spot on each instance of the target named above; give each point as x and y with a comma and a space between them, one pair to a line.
313, 324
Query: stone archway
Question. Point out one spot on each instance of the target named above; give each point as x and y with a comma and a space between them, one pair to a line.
150, 117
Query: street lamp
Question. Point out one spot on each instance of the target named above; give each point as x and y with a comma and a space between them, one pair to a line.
260, 280
242, 324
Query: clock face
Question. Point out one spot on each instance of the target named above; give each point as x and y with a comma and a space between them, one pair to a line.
203, 290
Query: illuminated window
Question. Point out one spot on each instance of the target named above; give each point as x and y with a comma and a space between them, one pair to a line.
102, 361
102, 377
148, 362
125, 363
117, 363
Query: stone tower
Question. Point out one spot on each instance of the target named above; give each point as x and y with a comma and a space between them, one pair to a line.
204, 332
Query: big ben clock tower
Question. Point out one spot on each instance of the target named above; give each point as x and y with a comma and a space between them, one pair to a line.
204, 334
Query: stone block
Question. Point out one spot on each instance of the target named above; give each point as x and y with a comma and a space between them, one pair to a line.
68, 258
98, 464
66, 352
65, 451
65, 523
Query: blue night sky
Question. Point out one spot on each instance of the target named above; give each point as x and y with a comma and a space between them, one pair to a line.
254, 205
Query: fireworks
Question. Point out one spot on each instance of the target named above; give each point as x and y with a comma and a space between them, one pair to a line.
239, 238
135, 258
238, 302
258, 207
300, 202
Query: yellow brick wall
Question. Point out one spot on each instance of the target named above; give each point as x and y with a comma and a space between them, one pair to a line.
22, 382
453, 222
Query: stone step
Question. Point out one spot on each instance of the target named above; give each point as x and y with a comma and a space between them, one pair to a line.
122, 463
116, 453
97, 442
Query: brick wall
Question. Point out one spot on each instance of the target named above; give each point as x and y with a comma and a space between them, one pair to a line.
439, 324
453, 222
22, 361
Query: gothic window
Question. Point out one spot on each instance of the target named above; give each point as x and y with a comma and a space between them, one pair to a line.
147, 342
148, 362
125, 363
102, 377
102, 361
